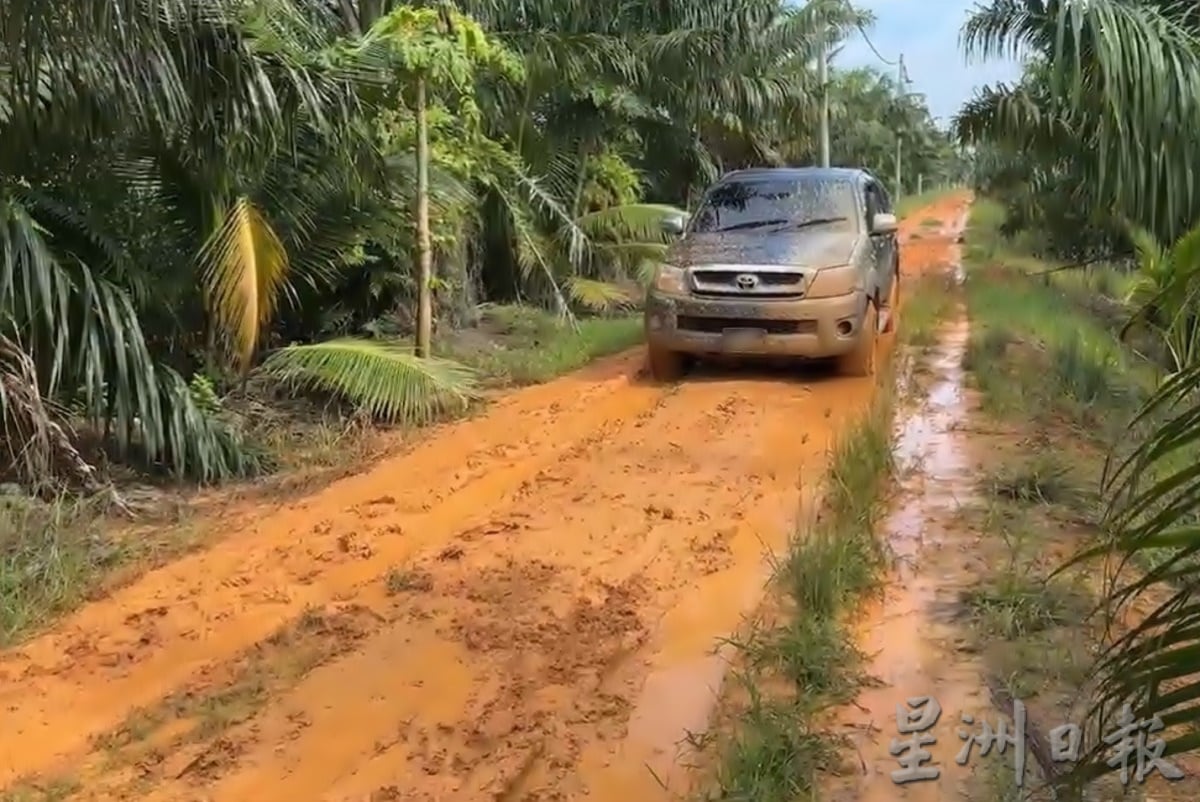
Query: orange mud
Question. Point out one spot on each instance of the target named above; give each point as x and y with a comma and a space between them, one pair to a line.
523, 606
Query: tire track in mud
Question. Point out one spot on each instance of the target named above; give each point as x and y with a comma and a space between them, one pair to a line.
149, 638
519, 585
522, 652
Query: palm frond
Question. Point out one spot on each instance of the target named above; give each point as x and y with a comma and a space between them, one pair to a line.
244, 267
385, 379
598, 296
639, 222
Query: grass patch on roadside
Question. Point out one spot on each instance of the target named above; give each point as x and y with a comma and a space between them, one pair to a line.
53, 556
929, 300
1036, 352
520, 345
805, 662
1063, 388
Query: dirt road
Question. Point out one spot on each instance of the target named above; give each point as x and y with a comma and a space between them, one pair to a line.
523, 606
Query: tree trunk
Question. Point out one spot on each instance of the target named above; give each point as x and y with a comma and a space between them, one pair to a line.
350, 18
424, 249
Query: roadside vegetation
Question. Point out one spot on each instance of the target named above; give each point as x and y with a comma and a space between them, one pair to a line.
1056, 387
1091, 162
1060, 390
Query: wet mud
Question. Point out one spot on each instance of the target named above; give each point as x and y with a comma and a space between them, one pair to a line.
918, 656
522, 606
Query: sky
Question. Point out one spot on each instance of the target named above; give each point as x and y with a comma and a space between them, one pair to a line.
926, 32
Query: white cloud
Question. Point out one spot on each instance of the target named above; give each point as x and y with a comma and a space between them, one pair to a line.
927, 35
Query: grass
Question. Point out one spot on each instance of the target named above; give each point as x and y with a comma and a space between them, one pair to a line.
1060, 388
806, 658
520, 345
1036, 350
928, 301
55, 555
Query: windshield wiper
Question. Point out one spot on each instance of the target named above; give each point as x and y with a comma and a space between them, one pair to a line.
749, 224
816, 221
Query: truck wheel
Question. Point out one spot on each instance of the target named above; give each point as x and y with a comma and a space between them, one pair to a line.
893, 308
665, 365
861, 361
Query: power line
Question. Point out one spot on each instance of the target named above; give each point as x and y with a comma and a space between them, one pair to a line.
871, 45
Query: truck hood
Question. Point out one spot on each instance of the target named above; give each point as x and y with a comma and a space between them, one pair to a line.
813, 249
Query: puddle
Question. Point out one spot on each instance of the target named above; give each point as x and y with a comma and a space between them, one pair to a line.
909, 633
931, 458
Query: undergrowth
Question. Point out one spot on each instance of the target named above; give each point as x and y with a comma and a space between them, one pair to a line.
519, 345
1046, 356
776, 747
1045, 350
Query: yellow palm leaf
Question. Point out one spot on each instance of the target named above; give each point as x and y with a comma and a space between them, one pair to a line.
598, 296
243, 267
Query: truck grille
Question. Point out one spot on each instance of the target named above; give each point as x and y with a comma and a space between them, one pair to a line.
766, 284
716, 325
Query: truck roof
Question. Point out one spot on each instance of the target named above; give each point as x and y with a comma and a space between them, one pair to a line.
844, 173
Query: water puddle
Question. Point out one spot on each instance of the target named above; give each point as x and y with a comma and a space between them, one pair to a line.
909, 633
932, 459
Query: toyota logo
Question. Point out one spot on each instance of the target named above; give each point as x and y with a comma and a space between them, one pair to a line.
746, 281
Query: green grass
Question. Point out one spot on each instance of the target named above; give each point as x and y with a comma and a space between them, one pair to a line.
928, 301
1039, 350
52, 556
1045, 356
522, 345
776, 748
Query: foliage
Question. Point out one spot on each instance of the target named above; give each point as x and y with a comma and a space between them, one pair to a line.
1165, 292
1093, 151
384, 379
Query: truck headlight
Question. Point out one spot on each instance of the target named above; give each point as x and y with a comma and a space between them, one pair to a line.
668, 278
834, 281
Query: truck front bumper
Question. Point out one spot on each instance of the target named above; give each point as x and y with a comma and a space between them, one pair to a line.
811, 328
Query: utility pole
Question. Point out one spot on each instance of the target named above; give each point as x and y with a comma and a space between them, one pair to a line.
900, 89
823, 78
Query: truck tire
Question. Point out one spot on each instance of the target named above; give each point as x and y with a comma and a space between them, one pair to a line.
861, 361
665, 365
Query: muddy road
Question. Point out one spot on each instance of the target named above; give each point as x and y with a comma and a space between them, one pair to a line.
521, 606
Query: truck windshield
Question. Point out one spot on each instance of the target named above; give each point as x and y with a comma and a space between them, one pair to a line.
775, 203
